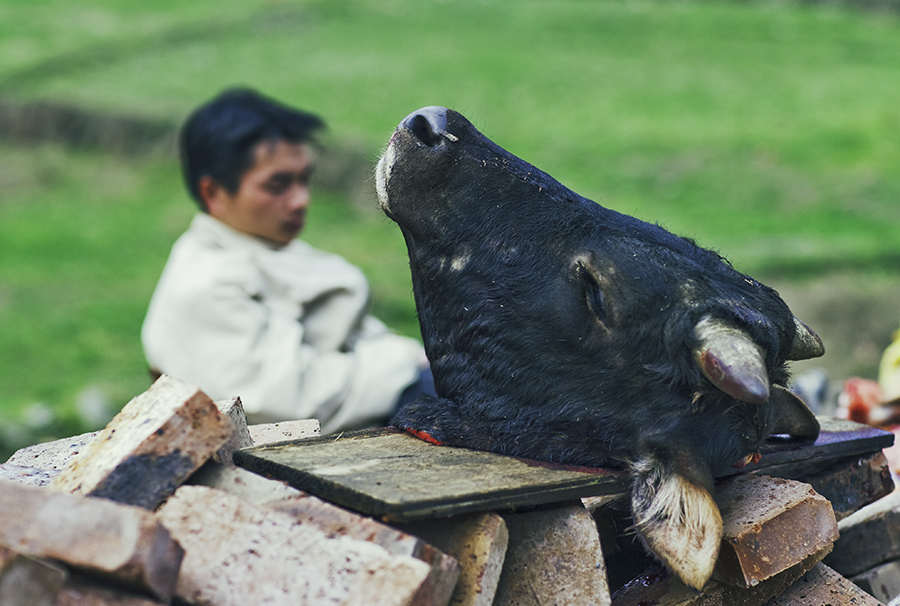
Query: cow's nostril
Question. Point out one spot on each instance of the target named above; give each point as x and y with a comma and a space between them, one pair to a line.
421, 128
428, 125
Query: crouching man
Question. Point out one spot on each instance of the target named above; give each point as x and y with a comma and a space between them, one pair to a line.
244, 308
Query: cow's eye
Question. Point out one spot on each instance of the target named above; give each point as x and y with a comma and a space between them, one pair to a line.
592, 291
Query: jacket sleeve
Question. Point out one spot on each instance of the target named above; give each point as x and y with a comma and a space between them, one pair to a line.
231, 341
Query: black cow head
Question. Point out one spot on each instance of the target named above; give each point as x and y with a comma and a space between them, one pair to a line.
564, 331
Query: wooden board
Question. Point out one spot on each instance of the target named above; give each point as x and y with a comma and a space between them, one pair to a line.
388, 474
837, 439
391, 475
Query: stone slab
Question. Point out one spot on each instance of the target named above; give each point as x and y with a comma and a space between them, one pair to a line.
869, 537
238, 553
388, 474
659, 587
99, 536
478, 542
769, 525
820, 586
881, 582
155, 442
554, 557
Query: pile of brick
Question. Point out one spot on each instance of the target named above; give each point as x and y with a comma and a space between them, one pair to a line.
151, 510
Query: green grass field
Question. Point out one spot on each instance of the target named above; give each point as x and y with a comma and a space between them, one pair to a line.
766, 130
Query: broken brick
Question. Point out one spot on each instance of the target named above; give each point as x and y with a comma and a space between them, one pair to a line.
881, 582
552, 553
26, 580
769, 525
659, 587
157, 440
233, 409
478, 542
822, 585
869, 537
268, 433
238, 553
99, 536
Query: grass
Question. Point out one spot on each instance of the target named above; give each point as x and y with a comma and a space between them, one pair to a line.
766, 130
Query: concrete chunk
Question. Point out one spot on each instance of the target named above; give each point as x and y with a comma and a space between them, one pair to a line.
881, 582
770, 525
28, 581
157, 440
233, 409
101, 537
553, 557
869, 537
822, 585
268, 433
238, 553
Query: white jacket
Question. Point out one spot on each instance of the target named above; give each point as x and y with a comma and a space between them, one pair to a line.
285, 328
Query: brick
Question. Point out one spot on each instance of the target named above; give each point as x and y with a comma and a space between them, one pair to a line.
81, 591
881, 582
157, 440
553, 557
52, 456
659, 587
869, 537
268, 433
849, 483
233, 409
238, 553
31, 476
822, 585
98, 536
243, 484
333, 521
479, 543
28, 581
336, 522
769, 525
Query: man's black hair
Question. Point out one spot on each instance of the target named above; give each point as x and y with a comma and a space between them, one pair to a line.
219, 138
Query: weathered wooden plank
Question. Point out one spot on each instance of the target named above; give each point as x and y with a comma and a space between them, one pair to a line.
837, 439
389, 474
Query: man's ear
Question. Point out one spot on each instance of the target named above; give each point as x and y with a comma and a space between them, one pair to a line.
212, 194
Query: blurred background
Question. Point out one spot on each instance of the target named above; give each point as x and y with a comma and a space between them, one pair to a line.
769, 131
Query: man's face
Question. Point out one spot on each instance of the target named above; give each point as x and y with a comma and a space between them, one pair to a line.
273, 194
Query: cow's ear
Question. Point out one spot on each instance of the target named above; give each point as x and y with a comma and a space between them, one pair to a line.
590, 281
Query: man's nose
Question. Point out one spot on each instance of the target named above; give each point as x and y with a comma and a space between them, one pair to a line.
299, 197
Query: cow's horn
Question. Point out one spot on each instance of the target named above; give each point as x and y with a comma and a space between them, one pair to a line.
807, 343
731, 360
